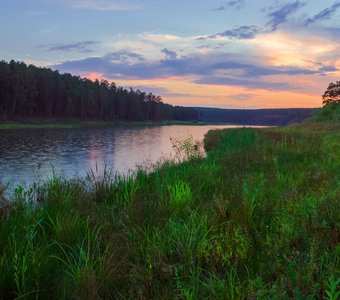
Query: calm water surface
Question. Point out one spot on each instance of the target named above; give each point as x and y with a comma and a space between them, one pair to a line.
27, 155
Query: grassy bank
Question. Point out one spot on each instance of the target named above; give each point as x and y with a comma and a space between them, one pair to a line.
257, 219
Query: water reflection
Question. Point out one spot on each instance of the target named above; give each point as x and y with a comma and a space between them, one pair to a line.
30, 154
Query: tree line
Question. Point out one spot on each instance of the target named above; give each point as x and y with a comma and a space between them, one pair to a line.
272, 117
27, 91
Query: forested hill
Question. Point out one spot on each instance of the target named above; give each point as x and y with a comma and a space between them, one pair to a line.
32, 92
29, 92
274, 117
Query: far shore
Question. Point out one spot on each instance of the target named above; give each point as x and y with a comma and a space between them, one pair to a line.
36, 124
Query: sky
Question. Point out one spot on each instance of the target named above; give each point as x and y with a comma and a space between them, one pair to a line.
228, 54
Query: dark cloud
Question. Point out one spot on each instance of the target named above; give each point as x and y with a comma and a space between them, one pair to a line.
242, 32
324, 14
84, 47
279, 16
208, 69
169, 54
327, 69
124, 56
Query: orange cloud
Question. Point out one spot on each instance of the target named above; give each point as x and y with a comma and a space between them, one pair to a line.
93, 76
223, 96
294, 49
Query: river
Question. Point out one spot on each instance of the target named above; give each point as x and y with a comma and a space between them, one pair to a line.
28, 155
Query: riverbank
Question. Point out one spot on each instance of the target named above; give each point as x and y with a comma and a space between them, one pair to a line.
38, 124
258, 218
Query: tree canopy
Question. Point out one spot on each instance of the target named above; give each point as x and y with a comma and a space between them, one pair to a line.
332, 94
32, 92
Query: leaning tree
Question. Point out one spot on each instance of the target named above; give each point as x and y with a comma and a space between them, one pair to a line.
332, 94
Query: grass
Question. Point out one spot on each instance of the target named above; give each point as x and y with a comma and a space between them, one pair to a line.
258, 218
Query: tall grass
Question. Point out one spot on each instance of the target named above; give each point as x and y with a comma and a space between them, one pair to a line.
256, 219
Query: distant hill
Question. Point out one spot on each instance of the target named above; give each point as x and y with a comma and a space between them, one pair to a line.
274, 117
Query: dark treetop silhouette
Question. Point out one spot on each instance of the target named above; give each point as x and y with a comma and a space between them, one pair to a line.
32, 92
332, 94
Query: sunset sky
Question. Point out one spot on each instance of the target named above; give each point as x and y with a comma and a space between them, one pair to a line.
230, 54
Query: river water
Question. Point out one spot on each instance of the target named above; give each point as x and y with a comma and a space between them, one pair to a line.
28, 155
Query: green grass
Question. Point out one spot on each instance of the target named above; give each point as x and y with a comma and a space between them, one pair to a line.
258, 218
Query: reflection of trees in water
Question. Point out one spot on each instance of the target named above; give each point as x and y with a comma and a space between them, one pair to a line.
35, 154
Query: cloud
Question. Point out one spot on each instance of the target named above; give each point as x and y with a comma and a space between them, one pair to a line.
324, 14
242, 32
326, 69
102, 5
158, 38
279, 16
83, 47
124, 56
211, 46
254, 83
209, 68
172, 55
160, 91
236, 3
242, 96
221, 8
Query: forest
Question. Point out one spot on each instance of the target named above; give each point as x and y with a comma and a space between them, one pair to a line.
270, 117
29, 92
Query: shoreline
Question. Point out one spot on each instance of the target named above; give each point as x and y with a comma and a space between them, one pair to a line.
50, 124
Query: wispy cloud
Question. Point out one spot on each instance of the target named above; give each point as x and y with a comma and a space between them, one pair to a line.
242, 96
276, 17
253, 83
325, 14
280, 15
102, 5
84, 47
220, 8
236, 3
242, 32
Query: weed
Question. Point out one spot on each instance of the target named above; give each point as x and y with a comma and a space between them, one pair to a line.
180, 195
332, 292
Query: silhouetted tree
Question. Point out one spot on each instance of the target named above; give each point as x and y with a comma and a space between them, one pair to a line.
30, 92
332, 94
